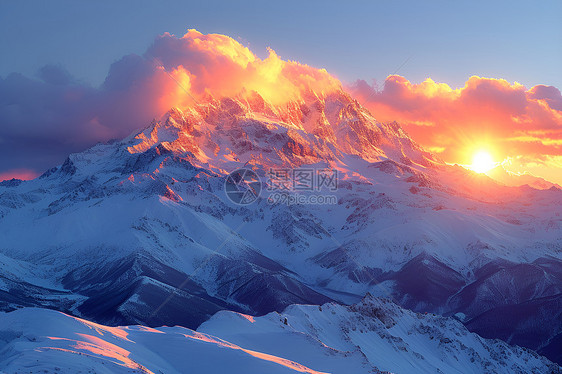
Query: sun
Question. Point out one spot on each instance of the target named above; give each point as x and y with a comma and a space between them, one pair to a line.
482, 162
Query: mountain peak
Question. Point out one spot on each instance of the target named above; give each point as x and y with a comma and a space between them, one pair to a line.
316, 128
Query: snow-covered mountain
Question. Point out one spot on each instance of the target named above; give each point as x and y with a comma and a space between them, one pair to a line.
140, 231
373, 336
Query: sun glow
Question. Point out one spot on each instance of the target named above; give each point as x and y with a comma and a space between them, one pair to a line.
482, 162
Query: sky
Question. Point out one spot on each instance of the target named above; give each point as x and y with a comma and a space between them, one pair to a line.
64, 60
447, 41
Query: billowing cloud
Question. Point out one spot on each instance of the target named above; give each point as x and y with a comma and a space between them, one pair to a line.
44, 119
217, 65
506, 119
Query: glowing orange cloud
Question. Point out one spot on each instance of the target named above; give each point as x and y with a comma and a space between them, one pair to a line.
203, 66
505, 119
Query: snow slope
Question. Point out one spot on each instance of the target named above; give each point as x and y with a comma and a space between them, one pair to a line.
41, 340
374, 336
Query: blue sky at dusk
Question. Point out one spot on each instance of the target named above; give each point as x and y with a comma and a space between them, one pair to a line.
447, 41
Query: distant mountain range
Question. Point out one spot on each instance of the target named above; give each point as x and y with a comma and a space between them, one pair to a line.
513, 179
